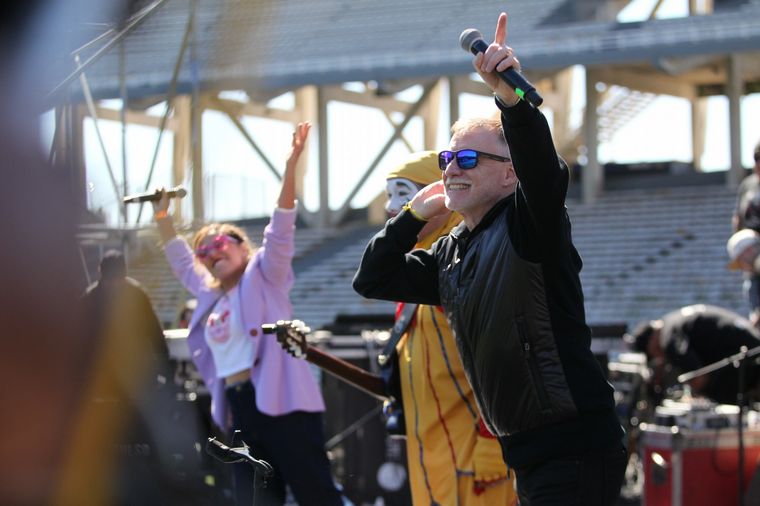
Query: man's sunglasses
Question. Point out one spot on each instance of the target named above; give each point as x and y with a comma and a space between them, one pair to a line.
218, 243
466, 158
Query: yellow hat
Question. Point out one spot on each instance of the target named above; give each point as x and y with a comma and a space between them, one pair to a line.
421, 167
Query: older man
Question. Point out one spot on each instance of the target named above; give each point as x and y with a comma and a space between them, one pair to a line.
452, 458
508, 280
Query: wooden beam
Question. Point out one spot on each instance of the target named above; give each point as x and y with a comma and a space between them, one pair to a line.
697, 7
307, 110
412, 110
431, 115
324, 214
467, 85
698, 131
367, 99
181, 147
260, 110
197, 106
464, 84
593, 176
552, 98
562, 83
141, 104
735, 87
401, 137
454, 92
75, 152
652, 83
135, 118
685, 66
656, 7
244, 132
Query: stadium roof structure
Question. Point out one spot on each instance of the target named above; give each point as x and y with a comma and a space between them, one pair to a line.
266, 45
164, 49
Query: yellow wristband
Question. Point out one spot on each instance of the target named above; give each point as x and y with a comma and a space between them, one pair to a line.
408, 207
160, 215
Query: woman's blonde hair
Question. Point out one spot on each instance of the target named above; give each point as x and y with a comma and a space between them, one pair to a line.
228, 229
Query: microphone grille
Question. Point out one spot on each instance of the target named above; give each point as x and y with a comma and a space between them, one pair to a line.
181, 192
468, 37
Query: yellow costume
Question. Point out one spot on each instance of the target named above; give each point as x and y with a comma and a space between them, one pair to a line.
451, 460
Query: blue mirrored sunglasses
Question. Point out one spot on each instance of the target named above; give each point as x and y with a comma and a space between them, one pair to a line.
466, 158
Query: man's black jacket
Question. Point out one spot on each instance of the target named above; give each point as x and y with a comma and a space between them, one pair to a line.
512, 293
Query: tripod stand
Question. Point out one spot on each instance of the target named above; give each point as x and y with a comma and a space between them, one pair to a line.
262, 469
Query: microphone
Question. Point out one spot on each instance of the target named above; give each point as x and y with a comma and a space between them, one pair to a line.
472, 41
224, 453
155, 196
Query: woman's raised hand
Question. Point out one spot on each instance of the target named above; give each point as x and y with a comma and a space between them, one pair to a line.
300, 134
288, 190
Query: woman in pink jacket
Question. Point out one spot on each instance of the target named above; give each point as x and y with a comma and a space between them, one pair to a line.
255, 386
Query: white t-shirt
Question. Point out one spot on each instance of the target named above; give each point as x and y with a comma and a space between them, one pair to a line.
231, 348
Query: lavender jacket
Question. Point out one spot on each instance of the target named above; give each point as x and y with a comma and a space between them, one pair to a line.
283, 383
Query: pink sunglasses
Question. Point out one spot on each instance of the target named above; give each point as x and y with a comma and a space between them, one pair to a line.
218, 243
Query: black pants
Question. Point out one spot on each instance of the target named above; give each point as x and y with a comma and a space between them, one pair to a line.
293, 444
592, 479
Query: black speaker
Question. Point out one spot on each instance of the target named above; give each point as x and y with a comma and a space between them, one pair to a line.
366, 461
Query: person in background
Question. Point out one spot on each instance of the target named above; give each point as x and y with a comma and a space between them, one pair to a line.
452, 458
508, 281
256, 387
743, 248
117, 296
747, 217
747, 210
131, 389
695, 336
186, 313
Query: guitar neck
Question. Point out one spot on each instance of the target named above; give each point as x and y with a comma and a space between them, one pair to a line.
356, 376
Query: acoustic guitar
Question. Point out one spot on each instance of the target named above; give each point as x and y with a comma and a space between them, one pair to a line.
292, 336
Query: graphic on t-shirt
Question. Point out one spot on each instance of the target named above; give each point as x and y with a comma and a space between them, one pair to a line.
218, 326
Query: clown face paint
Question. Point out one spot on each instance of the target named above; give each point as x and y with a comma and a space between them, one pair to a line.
399, 191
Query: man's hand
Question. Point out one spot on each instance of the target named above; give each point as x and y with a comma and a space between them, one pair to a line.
499, 57
429, 201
